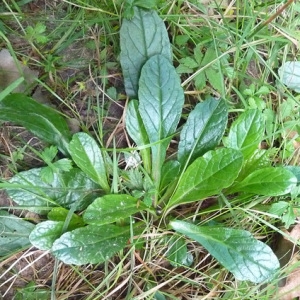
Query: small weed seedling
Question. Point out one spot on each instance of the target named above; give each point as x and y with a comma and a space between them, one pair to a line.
95, 209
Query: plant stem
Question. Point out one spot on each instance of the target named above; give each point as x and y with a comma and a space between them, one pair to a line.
280, 10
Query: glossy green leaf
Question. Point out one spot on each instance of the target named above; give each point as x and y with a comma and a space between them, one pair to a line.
203, 130
62, 214
246, 132
177, 252
161, 100
134, 124
88, 157
14, 233
42, 121
136, 129
112, 208
45, 233
259, 160
91, 244
170, 172
142, 37
27, 189
268, 182
208, 175
237, 250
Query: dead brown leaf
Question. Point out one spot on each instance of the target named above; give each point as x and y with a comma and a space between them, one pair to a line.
291, 289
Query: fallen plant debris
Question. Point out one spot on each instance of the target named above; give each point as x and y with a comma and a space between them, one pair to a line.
288, 253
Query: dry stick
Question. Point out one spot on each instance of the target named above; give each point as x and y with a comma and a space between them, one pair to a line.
279, 11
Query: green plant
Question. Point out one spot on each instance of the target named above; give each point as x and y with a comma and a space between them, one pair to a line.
254, 97
14, 233
37, 33
96, 209
32, 292
206, 59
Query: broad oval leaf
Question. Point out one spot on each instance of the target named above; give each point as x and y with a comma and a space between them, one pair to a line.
161, 100
142, 37
246, 132
136, 129
45, 233
112, 208
62, 214
88, 157
91, 244
203, 130
268, 182
134, 124
237, 250
44, 122
208, 175
28, 189
14, 233
289, 74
